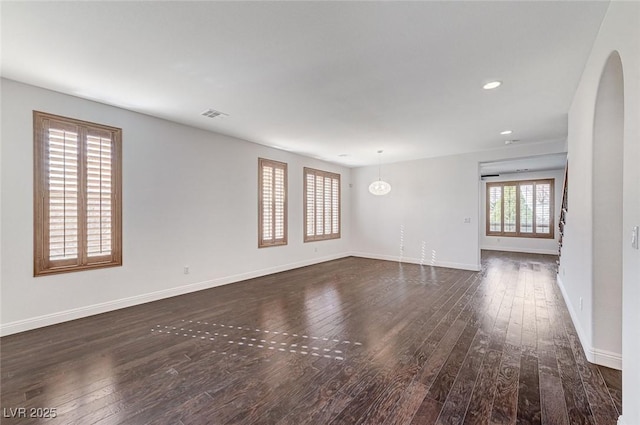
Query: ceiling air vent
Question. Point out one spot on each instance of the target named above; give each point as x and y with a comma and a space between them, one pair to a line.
212, 113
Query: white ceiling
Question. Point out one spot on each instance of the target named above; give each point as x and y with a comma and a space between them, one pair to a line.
521, 165
324, 79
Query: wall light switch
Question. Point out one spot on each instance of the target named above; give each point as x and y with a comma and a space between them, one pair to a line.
635, 236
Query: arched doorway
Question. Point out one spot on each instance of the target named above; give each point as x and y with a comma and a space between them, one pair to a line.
608, 132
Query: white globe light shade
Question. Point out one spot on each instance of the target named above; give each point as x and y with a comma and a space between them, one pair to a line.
379, 187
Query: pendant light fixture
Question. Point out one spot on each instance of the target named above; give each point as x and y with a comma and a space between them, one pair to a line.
379, 187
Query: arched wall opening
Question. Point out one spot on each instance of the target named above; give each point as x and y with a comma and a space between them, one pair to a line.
608, 134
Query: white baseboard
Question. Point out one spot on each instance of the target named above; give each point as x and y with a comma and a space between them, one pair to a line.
523, 250
593, 355
78, 313
586, 342
607, 358
461, 266
621, 421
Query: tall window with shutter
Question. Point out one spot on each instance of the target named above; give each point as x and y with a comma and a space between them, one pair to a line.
272, 203
321, 205
520, 208
77, 195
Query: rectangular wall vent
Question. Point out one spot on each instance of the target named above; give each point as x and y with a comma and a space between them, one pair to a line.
212, 113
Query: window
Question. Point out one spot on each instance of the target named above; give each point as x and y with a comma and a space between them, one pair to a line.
321, 205
272, 203
77, 195
520, 208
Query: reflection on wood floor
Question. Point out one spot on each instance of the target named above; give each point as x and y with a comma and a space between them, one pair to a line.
351, 341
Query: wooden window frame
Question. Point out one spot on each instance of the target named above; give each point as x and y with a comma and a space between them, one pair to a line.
43, 265
324, 174
264, 243
517, 233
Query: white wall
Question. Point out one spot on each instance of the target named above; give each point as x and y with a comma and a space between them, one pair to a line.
533, 245
189, 198
429, 201
607, 210
620, 31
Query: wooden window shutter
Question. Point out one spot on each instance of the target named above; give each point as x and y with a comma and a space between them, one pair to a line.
520, 208
77, 195
321, 205
272, 203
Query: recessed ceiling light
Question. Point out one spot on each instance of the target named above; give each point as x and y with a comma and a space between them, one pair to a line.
504, 133
342, 155
508, 142
492, 85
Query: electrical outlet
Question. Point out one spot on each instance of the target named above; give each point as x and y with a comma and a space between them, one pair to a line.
186, 269
467, 219
580, 303
635, 236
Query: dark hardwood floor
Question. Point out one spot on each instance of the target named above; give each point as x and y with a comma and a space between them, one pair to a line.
351, 341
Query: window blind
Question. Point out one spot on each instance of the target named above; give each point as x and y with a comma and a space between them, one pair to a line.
272, 208
520, 208
63, 161
77, 212
543, 208
526, 208
99, 183
321, 205
509, 210
495, 208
